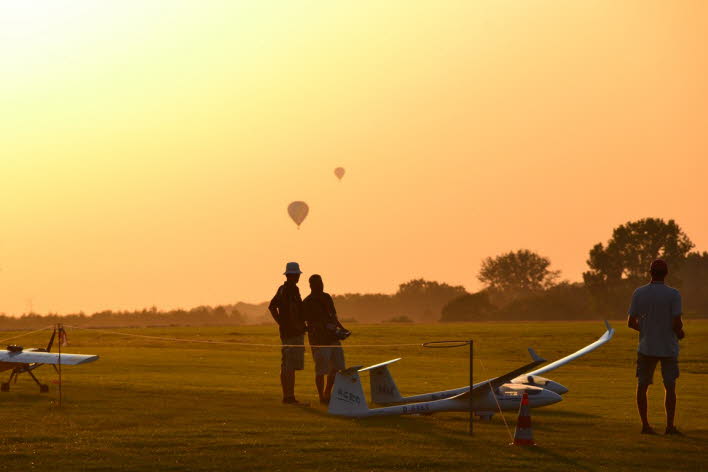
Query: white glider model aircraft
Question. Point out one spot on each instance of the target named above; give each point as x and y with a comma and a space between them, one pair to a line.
502, 392
21, 361
348, 397
384, 389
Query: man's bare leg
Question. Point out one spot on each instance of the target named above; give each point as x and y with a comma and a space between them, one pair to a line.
287, 378
283, 383
319, 382
670, 403
642, 408
291, 383
330, 383
670, 407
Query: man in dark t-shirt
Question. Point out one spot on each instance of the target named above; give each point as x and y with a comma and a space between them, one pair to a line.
656, 313
286, 309
322, 323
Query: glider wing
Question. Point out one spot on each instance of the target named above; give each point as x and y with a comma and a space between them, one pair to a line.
506, 378
39, 357
590, 347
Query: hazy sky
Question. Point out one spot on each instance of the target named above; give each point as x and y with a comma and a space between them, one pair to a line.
150, 149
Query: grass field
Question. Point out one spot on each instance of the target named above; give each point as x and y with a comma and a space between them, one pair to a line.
150, 405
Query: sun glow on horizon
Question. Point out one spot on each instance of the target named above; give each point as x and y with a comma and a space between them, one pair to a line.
150, 149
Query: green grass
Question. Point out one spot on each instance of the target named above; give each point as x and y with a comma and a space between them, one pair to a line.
155, 405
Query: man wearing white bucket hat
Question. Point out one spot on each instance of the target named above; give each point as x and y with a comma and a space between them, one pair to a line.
286, 308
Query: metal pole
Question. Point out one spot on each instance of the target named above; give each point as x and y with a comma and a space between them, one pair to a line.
59, 328
471, 384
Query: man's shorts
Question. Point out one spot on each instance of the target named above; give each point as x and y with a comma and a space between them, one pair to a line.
293, 357
328, 359
647, 364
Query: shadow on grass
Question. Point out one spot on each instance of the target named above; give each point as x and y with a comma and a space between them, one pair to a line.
456, 439
559, 458
567, 414
429, 427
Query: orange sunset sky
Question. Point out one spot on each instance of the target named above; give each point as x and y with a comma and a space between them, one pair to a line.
150, 149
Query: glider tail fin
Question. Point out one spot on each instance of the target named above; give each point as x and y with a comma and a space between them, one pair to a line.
383, 387
348, 397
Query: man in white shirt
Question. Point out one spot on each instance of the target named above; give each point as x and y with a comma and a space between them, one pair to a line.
656, 313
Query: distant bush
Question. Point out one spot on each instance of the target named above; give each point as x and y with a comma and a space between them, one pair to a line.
364, 307
399, 319
565, 301
417, 299
470, 307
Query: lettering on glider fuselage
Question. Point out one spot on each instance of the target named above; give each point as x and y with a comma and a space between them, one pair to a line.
416, 408
348, 396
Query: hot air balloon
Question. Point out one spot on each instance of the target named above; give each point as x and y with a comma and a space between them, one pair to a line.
298, 211
339, 172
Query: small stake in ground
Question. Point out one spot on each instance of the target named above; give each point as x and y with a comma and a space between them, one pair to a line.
523, 436
471, 384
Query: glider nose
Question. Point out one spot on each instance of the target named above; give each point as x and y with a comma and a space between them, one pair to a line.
549, 397
544, 398
555, 387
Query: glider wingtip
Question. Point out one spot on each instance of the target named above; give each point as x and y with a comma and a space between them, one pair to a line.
535, 356
379, 365
88, 359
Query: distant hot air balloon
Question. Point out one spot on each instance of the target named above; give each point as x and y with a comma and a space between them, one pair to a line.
298, 211
339, 172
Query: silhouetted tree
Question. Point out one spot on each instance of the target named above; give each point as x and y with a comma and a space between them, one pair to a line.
632, 248
422, 299
621, 265
519, 271
694, 274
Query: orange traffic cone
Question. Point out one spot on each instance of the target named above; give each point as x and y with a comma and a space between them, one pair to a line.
523, 435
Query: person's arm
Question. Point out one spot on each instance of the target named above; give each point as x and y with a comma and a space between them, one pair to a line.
633, 318
676, 311
678, 327
334, 313
633, 322
307, 313
273, 307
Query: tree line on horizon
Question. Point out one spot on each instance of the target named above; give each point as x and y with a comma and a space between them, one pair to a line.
518, 285
222, 315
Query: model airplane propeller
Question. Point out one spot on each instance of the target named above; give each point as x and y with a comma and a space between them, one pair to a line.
21, 360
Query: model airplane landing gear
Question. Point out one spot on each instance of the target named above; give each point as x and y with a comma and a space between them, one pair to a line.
43, 388
5, 386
